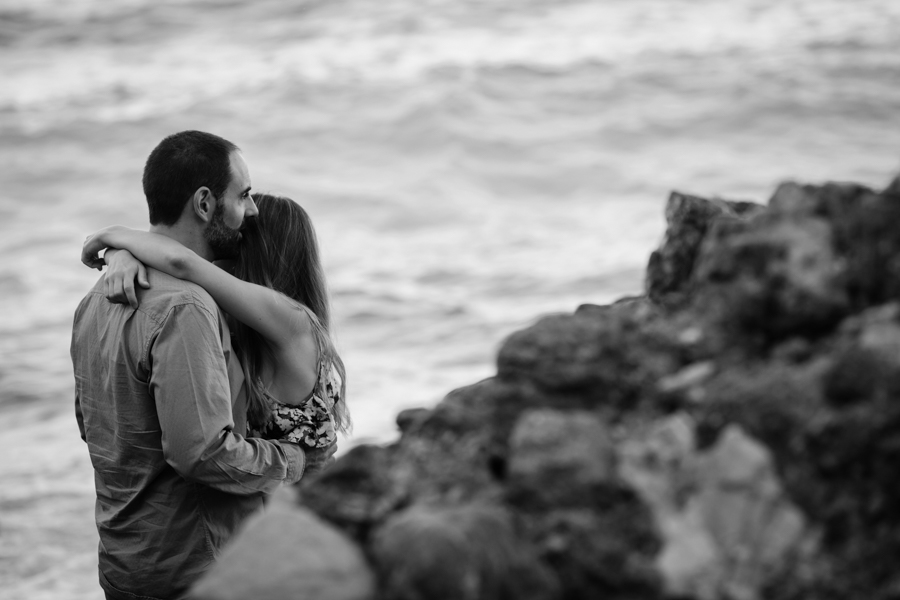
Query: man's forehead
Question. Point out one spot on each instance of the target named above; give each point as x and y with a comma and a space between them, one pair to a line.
240, 173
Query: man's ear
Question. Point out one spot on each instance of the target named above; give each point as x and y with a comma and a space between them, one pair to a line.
203, 204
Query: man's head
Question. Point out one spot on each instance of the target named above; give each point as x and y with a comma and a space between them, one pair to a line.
204, 176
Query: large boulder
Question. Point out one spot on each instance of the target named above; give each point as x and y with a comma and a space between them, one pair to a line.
288, 553
357, 493
864, 234
557, 458
464, 552
586, 523
603, 359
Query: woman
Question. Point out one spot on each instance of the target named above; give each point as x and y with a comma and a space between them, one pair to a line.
278, 298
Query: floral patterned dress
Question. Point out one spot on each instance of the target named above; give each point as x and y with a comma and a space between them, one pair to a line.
310, 423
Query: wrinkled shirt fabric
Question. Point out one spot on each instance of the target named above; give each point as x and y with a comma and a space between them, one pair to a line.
160, 401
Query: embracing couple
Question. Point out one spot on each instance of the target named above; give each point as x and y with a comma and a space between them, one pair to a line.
193, 415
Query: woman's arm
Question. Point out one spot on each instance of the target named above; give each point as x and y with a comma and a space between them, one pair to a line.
270, 313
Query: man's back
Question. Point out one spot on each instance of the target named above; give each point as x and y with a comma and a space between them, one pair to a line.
161, 404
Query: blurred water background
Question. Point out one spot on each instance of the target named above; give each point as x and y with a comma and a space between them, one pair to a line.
469, 164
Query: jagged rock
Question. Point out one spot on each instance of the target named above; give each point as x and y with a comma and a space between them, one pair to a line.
833, 426
492, 407
688, 381
688, 218
357, 492
450, 455
867, 365
864, 234
771, 402
559, 458
560, 352
893, 188
770, 277
657, 461
758, 530
636, 305
591, 529
831, 201
728, 527
594, 359
794, 198
603, 549
795, 268
411, 417
287, 552
468, 552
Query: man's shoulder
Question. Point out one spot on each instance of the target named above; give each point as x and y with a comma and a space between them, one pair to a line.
163, 298
167, 292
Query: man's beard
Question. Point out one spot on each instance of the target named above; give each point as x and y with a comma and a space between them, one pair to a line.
224, 241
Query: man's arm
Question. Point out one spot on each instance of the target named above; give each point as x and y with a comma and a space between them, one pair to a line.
79, 416
189, 383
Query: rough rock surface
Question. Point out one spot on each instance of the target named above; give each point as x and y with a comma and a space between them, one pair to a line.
288, 553
465, 552
688, 218
733, 434
728, 526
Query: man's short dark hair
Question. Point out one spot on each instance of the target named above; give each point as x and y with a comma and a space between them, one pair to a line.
179, 165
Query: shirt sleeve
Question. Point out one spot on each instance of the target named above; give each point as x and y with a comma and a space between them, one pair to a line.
79, 416
189, 384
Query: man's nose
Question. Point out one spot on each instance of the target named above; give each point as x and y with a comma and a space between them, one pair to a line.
252, 210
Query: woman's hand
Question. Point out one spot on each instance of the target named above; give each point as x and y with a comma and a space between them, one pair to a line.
121, 274
123, 269
93, 244
317, 459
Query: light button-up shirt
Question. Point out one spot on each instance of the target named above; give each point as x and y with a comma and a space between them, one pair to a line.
160, 401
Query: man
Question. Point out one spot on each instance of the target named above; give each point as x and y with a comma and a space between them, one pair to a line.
159, 392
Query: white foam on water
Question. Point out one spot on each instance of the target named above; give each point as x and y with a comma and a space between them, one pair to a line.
157, 74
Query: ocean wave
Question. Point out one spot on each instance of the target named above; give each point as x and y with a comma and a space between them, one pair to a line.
140, 59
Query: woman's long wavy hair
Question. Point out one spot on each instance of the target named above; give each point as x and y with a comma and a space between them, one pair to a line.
279, 250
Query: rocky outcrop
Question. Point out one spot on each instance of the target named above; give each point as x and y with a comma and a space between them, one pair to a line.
733, 434
688, 219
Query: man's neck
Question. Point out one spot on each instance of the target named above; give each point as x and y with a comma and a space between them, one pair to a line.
187, 236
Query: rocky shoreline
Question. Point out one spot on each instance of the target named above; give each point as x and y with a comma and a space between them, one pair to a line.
732, 434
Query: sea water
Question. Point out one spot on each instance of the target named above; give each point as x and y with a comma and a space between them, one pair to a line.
469, 165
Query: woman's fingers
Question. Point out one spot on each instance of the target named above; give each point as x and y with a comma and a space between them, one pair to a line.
90, 259
89, 251
122, 273
117, 295
94, 263
128, 288
119, 290
142, 276
319, 458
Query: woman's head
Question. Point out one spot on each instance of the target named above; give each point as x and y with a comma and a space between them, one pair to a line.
279, 250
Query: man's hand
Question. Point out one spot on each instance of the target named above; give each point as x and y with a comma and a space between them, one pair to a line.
123, 270
319, 458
